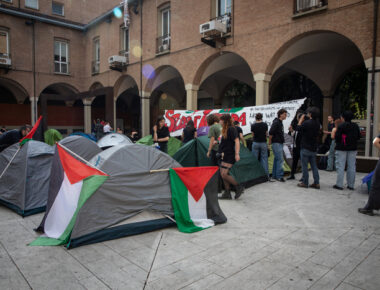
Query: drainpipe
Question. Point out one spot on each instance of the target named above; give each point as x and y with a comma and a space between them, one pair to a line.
375, 16
34, 104
141, 65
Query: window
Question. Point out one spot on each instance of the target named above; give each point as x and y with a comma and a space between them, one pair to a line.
58, 9
61, 57
96, 56
223, 7
165, 15
31, 4
4, 43
124, 41
9, 1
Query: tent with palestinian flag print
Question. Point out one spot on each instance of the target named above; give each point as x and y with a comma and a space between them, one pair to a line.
77, 183
195, 198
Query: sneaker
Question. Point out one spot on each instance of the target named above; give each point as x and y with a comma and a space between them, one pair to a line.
270, 179
291, 177
338, 187
366, 211
350, 188
301, 184
226, 195
316, 186
239, 191
280, 179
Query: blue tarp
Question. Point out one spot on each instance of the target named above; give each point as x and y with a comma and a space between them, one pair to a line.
88, 136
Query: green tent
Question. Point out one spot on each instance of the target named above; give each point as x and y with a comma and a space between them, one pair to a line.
173, 145
247, 171
52, 136
286, 166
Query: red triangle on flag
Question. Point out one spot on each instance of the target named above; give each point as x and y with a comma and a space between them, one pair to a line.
196, 178
75, 170
34, 129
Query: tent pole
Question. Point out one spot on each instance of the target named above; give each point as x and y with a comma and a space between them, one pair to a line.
9, 163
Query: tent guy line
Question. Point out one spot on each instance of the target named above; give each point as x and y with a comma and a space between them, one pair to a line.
9, 163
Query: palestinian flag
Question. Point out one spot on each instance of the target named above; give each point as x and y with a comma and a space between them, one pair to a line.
68, 192
195, 198
35, 133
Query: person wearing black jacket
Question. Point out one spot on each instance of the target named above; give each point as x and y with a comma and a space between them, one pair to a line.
161, 134
373, 202
13, 136
276, 140
309, 145
346, 139
293, 131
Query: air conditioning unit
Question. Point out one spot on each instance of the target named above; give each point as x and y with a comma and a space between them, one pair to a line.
5, 61
117, 59
213, 26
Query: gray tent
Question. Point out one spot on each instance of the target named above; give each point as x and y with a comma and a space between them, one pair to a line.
81, 146
24, 176
132, 200
113, 139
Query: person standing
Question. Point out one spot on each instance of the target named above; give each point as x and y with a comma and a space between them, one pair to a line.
259, 146
331, 156
330, 126
98, 129
240, 133
373, 202
189, 133
229, 149
346, 140
276, 140
107, 128
309, 136
161, 134
214, 135
293, 130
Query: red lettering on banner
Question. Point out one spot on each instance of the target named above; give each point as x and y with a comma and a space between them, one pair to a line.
235, 117
173, 118
196, 118
243, 119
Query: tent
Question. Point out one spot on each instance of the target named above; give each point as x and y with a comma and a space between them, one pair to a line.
173, 144
203, 131
89, 136
123, 205
51, 136
113, 139
248, 171
82, 146
24, 176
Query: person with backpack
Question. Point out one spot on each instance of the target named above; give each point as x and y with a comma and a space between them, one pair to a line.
346, 145
373, 202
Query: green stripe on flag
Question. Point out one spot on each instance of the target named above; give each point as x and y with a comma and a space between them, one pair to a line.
90, 185
181, 205
231, 110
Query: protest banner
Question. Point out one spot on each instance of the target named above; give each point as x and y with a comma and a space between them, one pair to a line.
176, 120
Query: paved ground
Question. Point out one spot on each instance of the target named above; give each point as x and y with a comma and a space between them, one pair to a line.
278, 236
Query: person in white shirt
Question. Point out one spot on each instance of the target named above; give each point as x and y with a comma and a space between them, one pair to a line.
107, 128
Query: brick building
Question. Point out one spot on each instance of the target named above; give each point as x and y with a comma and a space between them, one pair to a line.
56, 54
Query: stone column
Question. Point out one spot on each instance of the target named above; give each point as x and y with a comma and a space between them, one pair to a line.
262, 88
145, 113
114, 113
33, 105
87, 115
376, 116
191, 97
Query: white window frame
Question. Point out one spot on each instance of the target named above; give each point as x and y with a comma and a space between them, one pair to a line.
124, 35
8, 1
59, 61
163, 11
29, 6
57, 3
7, 38
96, 55
225, 7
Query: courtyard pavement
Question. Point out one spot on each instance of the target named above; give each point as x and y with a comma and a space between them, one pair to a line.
277, 236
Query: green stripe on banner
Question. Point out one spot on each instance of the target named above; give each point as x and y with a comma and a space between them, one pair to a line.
231, 110
181, 205
90, 185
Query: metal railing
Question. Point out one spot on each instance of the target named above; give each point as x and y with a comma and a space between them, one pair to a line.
305, 5
163, 44
95, 65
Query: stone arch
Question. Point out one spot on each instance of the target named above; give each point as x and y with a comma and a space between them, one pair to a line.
95, 86
16, 89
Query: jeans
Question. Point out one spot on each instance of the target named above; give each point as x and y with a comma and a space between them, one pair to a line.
278, 162
308, 156
341, 158
261, 149
331, 157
